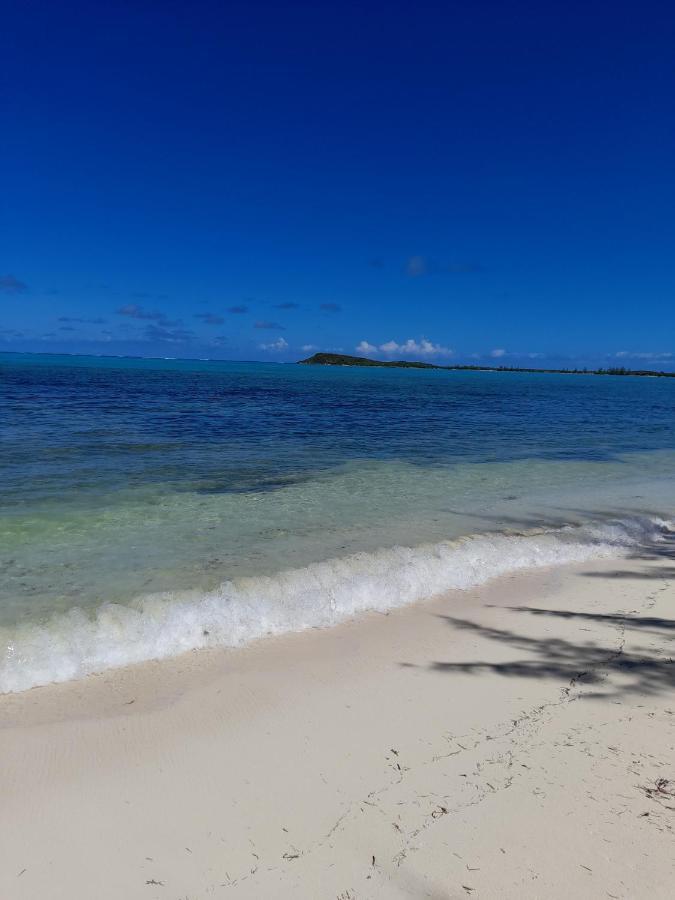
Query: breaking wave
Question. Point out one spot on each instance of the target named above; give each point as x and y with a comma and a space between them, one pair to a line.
79, 643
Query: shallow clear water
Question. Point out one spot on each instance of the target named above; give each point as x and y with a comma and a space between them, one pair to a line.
123, 480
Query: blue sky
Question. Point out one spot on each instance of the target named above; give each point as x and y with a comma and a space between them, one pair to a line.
451, 181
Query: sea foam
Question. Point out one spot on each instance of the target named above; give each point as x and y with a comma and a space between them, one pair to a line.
78, 643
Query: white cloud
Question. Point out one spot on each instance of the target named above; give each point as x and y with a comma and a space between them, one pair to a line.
423, 347
275, 346
498, 353
390, 347
307, 348
365, 347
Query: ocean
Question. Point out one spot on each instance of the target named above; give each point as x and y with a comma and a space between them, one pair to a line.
150, 507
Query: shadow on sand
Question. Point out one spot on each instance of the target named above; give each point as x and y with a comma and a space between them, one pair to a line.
615, 670
576, 663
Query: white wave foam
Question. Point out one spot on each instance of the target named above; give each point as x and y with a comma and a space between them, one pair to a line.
77, 643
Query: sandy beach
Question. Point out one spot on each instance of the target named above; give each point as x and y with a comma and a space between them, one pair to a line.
516, 740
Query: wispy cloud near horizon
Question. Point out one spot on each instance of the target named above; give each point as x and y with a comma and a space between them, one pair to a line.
82, 321
646, 355
272, 326
210, 318
277, 346
164, 334
11, 285
417, 266
134, 311
163, 323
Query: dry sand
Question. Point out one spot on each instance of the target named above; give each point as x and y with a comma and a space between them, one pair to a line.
516, 741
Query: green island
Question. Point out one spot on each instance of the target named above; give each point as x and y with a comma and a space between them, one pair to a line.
340, 359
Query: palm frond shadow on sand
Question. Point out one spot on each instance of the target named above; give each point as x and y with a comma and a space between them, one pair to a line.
616, 665
575, 663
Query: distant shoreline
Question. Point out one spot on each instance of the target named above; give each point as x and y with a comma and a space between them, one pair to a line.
338, 359
341, 360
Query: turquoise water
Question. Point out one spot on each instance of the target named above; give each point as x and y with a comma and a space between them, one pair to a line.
150, 506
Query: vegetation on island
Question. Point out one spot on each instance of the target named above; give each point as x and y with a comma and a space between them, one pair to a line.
340, 359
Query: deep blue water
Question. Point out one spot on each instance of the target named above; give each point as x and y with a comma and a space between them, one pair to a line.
98, 425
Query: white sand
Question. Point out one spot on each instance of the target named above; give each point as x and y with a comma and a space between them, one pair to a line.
345, 764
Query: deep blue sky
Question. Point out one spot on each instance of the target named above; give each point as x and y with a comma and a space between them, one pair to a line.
245, 180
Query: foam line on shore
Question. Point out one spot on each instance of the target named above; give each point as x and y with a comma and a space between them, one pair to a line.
75, 644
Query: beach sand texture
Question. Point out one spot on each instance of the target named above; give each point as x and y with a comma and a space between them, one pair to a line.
516, 740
